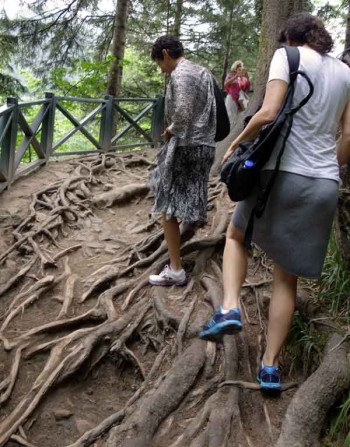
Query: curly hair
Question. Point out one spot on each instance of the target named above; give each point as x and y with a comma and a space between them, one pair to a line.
304, 28
170, 43
235, 65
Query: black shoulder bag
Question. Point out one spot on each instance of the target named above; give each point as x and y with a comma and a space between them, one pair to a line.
222, 119
242, 170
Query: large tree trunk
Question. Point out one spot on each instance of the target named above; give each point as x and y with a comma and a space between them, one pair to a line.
178, 18
343, 215
274, 15
347, 32
228, 44
118, 48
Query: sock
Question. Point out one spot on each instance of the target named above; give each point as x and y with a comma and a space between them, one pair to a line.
225, 311
176, 272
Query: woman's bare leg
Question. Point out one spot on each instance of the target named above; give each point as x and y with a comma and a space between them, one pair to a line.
282, 305
172, 237
234, 267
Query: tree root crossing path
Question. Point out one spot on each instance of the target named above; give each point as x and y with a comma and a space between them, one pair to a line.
92, 355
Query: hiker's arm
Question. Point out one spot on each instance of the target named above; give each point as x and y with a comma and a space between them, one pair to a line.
343, 147
276, 91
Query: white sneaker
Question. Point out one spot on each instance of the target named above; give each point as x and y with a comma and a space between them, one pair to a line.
167, 277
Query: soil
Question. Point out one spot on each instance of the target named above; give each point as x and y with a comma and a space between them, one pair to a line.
112, 236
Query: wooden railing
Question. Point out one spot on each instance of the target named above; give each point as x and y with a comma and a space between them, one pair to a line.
18, 136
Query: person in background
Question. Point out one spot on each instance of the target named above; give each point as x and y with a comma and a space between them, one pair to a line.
237, 85
295, 228
180, 180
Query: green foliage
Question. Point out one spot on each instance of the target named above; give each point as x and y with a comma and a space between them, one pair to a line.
304, 345
10, 85
339, 435
83, 78
334, 288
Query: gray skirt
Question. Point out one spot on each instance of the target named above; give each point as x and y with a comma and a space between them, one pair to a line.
295, 227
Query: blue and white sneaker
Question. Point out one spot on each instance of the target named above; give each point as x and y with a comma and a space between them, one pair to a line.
269, 377
222, 324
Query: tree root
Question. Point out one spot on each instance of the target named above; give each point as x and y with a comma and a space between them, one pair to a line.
307, 411
255, 386
65, 359
138, 430
19, 276
119, 195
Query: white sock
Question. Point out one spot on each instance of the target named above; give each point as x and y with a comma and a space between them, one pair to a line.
224, 311
176, 272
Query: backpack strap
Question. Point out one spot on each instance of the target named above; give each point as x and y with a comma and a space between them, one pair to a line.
293, 57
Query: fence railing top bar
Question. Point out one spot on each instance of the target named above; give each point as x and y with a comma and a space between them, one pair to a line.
5, 109
136, 99
34, 103
88, 100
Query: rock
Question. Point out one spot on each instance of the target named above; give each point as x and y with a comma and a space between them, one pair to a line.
62, 414
83, 425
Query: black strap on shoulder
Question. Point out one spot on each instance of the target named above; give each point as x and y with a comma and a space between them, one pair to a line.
293, 57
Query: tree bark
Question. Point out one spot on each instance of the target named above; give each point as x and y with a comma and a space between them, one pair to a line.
347, 32
228, 45
178, 18
274, 15
308, 409
343, 213
118, 48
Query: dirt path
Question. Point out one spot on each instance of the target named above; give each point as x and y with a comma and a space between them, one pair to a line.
84, 338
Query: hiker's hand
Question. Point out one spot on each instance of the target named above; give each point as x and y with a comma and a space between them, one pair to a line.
229, 152
167, 135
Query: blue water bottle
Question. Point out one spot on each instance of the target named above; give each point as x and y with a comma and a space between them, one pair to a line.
248, 164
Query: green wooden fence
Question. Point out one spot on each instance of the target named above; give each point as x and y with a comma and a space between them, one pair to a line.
39, 135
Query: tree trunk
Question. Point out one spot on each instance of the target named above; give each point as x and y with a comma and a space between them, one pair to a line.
178, 18
228, 45
343, 213
274, 15
118, 48
347, 32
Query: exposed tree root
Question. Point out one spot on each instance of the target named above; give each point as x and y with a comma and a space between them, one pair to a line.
307, 411
139, 429
127, 321
21, 274
121, 194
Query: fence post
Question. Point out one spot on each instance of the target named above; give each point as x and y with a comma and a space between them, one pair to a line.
158, 121
48, 126
106, 129
8, 147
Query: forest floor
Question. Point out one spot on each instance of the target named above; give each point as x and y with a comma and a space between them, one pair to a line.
85, 338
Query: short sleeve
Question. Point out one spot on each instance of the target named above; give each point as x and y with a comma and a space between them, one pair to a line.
279, 68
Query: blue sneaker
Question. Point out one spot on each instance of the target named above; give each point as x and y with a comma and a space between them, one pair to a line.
269, 377
222, 324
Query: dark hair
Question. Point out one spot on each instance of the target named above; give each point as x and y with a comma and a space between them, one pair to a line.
170, 43
304, 28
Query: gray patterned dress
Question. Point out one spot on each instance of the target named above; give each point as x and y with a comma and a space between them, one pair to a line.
180, 179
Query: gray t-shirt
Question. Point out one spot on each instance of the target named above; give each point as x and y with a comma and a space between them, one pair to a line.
311, 146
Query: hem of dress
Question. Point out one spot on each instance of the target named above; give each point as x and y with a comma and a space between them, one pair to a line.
169, 216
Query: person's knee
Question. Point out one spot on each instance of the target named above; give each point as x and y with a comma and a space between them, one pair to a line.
285, 277
234, 234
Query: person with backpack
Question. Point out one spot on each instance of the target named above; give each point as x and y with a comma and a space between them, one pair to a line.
180, 179
295, 227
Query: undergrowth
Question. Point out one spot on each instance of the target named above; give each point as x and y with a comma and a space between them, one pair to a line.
334, 289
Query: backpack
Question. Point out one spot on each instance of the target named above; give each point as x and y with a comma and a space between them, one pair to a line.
222, 120
242, 170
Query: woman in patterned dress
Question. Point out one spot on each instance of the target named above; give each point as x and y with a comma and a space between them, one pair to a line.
181, 176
